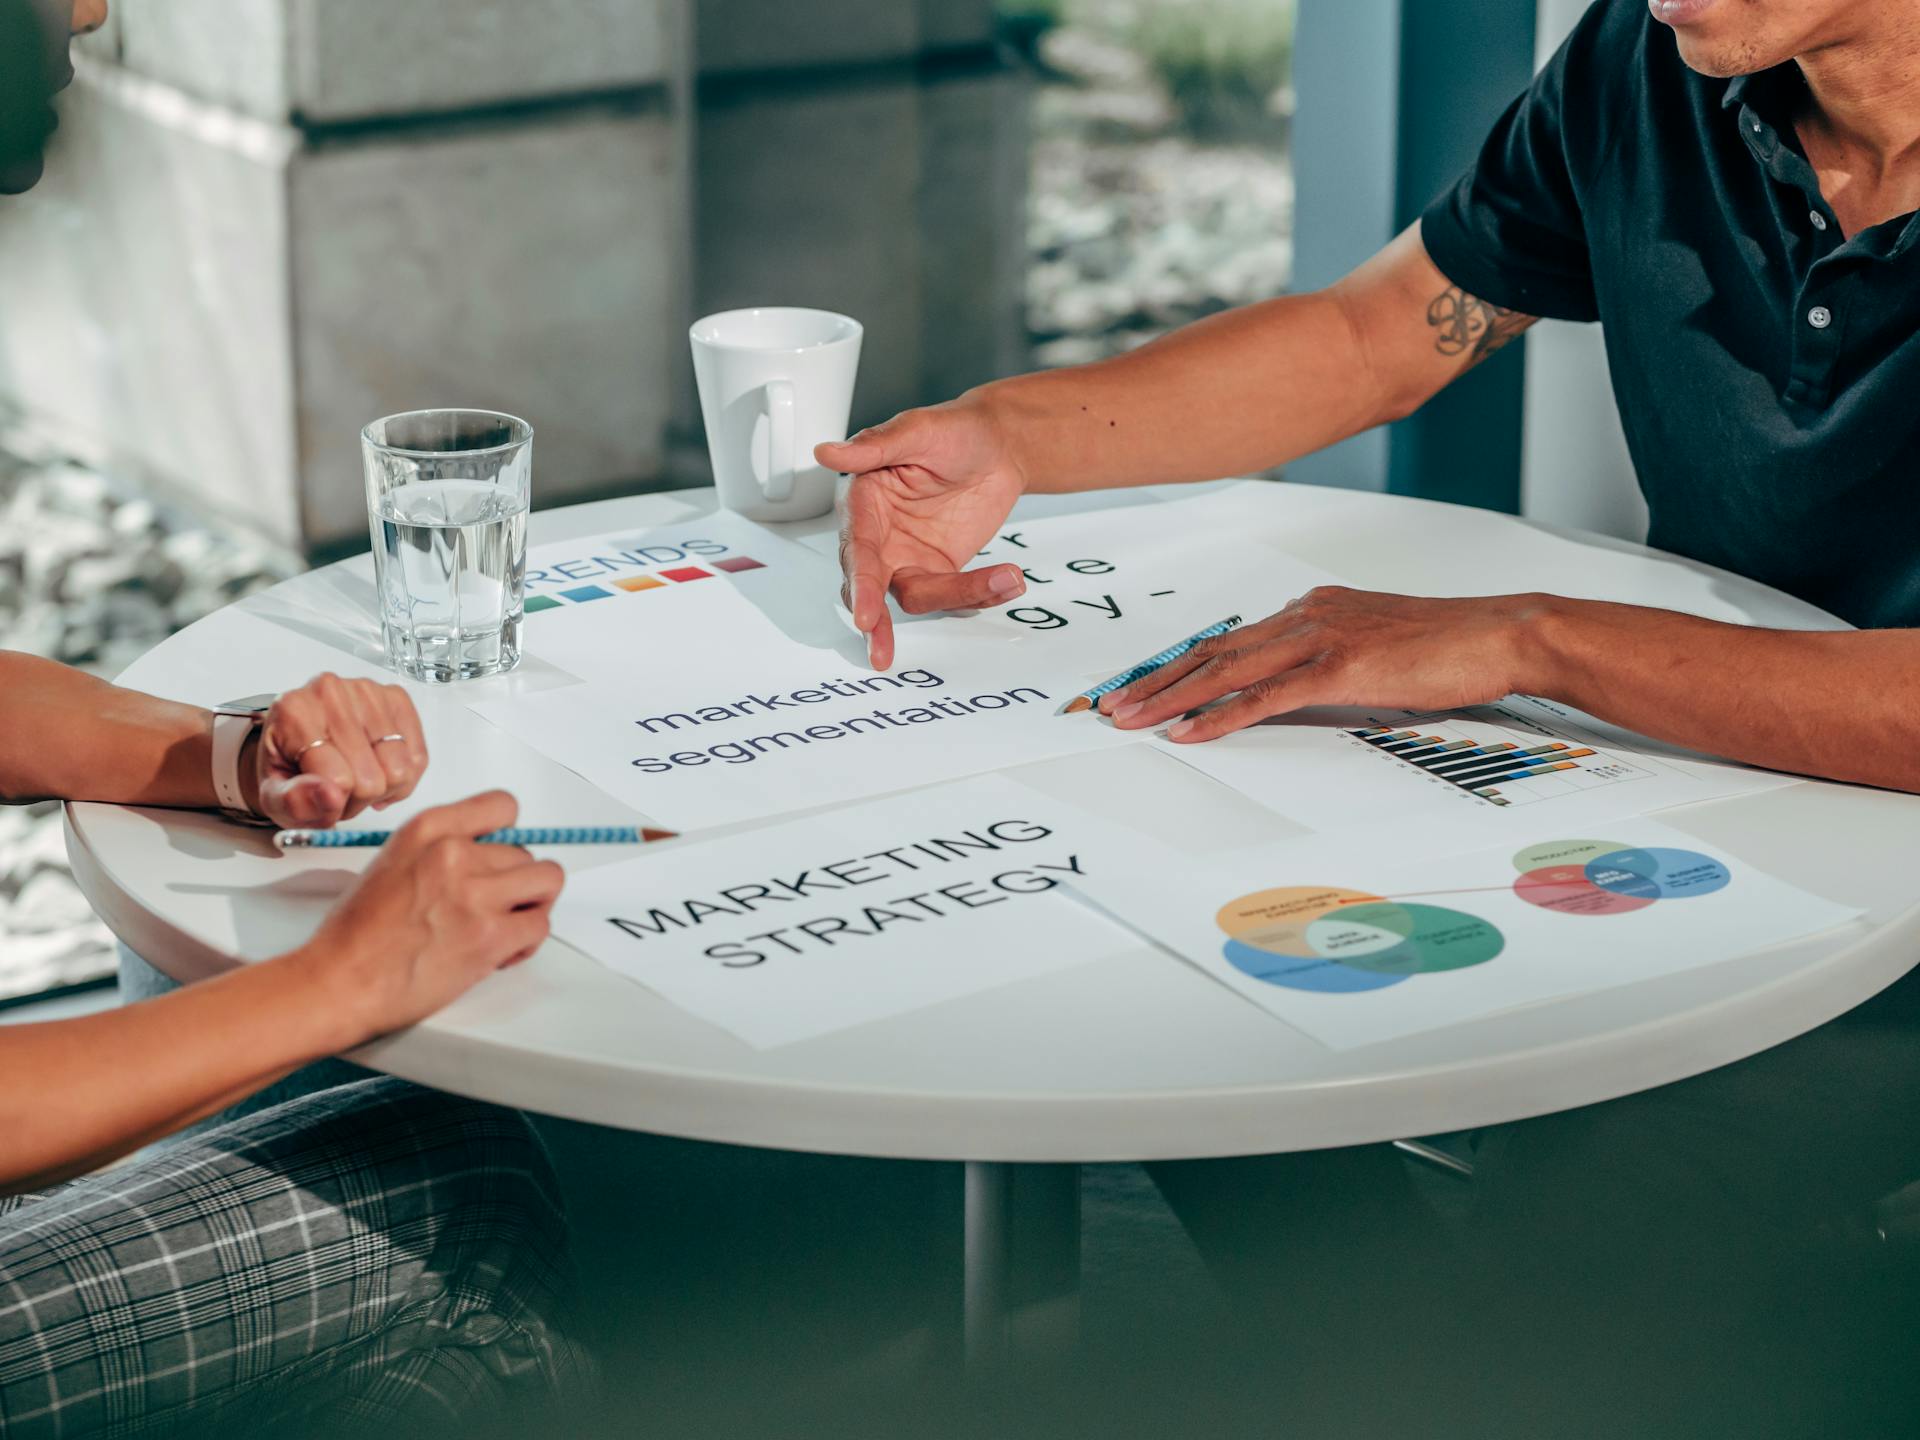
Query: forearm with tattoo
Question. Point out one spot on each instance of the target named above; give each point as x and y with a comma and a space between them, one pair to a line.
1235, 393
1467, 325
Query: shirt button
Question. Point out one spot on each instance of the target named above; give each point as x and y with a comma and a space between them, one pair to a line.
1819, 220
1819, 317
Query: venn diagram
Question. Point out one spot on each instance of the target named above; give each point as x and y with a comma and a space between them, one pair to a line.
1335, 941
1340, 941
1598, 877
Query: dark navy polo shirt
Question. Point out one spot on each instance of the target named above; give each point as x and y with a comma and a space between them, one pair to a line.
1767, 369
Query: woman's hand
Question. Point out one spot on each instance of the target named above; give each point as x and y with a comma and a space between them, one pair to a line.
433, 914
332, 748
1335, 646
930, 489
436, 913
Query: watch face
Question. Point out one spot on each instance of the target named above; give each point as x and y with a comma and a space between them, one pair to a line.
250, 705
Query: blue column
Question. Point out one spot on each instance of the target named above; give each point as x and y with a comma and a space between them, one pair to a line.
1394, 99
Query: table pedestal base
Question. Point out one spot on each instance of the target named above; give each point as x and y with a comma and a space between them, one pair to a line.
1020, 1286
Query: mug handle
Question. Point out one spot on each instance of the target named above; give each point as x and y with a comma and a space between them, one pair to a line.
776, 398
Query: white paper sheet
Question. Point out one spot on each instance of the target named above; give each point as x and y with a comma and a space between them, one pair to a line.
711, 695
769, 728
604, 606
1106, 590
720, 685
812, 926
1442, 777
1356, 943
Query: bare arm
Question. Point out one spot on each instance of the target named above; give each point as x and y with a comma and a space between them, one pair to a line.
434, 914
1255, 387
75, 1094
1242, 391
1839, 705
65, 735
72, 737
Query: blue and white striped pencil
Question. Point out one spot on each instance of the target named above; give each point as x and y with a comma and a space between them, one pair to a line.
1086, 700
550, 835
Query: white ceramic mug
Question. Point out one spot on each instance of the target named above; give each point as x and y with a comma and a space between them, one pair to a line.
774, 383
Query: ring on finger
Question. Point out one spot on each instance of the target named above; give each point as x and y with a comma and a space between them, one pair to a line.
300, 754
391, 739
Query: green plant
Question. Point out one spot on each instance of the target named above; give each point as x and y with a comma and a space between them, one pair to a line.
1221, 61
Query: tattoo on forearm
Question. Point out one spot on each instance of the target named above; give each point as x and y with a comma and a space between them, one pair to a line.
1467, 325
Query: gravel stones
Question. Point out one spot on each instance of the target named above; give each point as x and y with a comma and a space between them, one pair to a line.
1135, 228
92, 575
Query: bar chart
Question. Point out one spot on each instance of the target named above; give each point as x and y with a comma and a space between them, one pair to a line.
1496, 756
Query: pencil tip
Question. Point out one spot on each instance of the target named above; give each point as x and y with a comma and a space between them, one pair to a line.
648, 833
1077, 704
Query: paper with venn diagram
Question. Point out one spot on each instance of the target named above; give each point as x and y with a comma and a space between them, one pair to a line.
1361, 943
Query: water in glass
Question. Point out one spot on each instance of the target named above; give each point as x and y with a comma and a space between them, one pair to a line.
451, 558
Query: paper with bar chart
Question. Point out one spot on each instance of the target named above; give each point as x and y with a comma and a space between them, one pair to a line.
1495, 757
1360, 942
1476, 775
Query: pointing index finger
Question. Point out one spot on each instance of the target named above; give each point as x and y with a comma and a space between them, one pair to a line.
861, 561
880, 642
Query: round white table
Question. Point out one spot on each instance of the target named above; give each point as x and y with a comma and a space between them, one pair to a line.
1135, 1058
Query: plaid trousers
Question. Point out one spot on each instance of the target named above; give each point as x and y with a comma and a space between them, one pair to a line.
373, 1259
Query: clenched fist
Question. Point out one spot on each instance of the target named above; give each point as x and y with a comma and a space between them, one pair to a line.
331, 749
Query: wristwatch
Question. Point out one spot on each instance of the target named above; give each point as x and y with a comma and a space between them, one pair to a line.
233, 722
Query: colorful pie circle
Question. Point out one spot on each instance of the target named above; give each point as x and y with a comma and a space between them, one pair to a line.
1338, 941
1595, 877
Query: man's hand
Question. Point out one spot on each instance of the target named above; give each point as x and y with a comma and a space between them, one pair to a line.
332, 748
930, 488
1335, 646
434, 914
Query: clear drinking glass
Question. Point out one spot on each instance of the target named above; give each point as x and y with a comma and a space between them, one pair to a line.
447, 498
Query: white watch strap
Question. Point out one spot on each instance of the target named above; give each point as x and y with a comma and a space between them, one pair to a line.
230, 734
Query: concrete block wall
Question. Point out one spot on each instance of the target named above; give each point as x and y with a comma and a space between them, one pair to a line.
876, 165
269, 221
766, 35
526, 268
337, 60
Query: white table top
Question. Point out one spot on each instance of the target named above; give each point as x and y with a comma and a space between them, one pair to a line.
1139, 1057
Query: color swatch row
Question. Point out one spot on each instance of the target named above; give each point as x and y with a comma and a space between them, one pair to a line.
679, 575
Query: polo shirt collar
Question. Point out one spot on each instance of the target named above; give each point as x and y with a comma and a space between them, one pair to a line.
1764, 102
1762, 105
1769, 94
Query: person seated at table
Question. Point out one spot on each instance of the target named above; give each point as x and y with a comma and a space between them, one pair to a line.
1730, 187
34, 67
370, 1259
371, 1255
